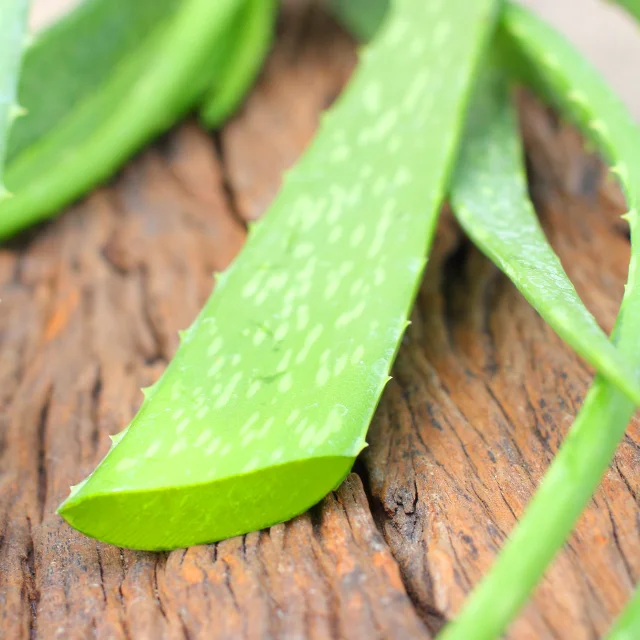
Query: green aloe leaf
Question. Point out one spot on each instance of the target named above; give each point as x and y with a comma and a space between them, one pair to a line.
75, 57
559, 70
85, 129
490, 200
13, 22
250, 39
627, 626
268, 399
79, 71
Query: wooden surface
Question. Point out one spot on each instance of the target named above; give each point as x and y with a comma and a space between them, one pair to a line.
482, 395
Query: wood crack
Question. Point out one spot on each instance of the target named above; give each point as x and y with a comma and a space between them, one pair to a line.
41, 452
160, 351
30, 590
227, 185
616, 541
626, 482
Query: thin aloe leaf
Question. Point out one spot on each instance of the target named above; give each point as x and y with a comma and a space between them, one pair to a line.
591, 442
151, 88
253, 31
13, 23
490, 201
267, 402
627, 626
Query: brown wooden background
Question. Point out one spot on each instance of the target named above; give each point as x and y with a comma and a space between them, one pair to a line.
483, 393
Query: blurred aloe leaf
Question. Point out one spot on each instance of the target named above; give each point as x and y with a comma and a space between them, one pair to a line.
13, 22
105, 96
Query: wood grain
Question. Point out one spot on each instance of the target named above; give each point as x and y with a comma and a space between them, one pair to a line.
482, 396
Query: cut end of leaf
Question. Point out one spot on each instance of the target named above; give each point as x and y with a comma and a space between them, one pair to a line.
173, 517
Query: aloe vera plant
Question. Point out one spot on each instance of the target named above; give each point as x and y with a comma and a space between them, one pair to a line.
560, 71
268, 399
13, 20
148, 90
489, 198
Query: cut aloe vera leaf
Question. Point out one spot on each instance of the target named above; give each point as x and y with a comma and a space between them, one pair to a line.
253, 30
591, 442
147, 92
490, 201
267, 402
627, 626
13, 23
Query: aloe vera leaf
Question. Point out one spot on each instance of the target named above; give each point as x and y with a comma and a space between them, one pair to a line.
74, 57
13, 21
254, 30
490, 201
627, 626
150, 88
591, 442
267, 402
